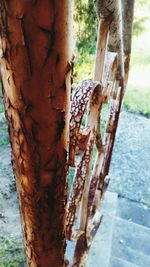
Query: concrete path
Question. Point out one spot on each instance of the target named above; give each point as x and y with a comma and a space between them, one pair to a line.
130, 166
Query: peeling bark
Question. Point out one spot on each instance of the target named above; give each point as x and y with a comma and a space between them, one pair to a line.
35, 56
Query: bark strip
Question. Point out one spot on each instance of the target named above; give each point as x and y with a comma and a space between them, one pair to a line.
35, 55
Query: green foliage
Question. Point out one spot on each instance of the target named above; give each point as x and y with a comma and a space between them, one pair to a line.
143, 3
141, 16
139, 26
85, 26
83, 67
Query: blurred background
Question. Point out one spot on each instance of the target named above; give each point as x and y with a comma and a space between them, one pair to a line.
137, 97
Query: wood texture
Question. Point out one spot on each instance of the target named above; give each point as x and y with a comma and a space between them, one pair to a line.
36, 72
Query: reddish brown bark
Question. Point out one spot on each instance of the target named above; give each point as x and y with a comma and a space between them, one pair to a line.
35, 66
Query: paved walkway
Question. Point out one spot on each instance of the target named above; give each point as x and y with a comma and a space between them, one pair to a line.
124, 237
130, 166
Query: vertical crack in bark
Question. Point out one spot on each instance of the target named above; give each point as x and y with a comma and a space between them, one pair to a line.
26, 42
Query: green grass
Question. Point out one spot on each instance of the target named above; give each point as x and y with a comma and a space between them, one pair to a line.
137, 97
1, 99
11, 253
4, 138
1, 108
137, 101
4, 141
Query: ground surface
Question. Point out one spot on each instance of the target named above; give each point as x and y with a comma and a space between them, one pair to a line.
130, 166
130, 173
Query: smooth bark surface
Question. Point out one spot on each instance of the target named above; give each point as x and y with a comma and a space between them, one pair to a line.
36, 67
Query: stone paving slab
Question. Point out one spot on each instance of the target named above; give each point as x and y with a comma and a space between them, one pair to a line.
131, 255
100, 251
116, 262
133, 211
131, 242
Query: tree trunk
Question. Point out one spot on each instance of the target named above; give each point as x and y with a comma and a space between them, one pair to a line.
36, 67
